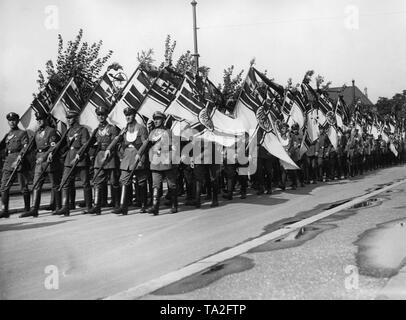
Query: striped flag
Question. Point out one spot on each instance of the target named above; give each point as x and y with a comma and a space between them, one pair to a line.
69, 99
102, 96
42, 104
293, 111
162, 92
248, 102
253, 110
188, 102
133, 95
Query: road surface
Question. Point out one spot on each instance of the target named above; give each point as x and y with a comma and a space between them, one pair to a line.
94, 257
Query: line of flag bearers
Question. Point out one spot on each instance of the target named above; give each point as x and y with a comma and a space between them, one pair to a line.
135, 158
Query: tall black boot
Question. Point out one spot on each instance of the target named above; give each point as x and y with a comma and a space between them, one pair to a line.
198, 193
155, 202
65, 203
52, 205
87, 192
229, 194
113, 201
143, 198
174, 208
36, 194
103, 195
123, 194
58, 204
97, 202
214, 199
72, 197
5, 197
189, 194
124, 199
115, 196
27, 203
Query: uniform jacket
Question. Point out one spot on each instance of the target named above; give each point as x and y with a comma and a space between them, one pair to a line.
324, 146
76, 139
130, 146
102, 140
296, 141
313, 147
341, 145
160, 154
45, 141
14, 143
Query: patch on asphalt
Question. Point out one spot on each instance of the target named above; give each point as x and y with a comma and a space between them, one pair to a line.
382, 250
207, 276
294, 239
371, 202
25, 226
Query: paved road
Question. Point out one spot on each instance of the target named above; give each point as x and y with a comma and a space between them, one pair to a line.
100, 256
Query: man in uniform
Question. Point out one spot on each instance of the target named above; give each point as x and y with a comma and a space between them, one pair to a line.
77, 138
45, 140
294, 152
264, 167
15, 143
160, 156
106, 133
323, 153
131, 139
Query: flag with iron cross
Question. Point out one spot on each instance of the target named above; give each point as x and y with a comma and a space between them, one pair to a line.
161, 93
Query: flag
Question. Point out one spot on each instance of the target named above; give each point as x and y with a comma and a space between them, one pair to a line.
161, 93
208, 122
273, 145
248, 102
41, 104
188, 102
102, 96
304, 146
276, 89
253, 110
293, 111
68, 100
132, 96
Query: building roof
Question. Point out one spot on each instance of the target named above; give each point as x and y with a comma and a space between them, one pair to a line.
348, 95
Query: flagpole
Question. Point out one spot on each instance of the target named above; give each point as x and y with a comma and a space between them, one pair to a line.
195, 54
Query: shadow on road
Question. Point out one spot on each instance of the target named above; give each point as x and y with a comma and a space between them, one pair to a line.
25, 226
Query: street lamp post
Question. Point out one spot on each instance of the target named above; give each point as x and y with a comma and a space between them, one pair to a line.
195, 54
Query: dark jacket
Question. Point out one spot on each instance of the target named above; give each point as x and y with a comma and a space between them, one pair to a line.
15, 142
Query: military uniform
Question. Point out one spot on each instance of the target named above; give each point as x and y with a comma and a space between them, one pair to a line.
294, 153
342, 171
131, 142
207, 170
76, 139
14, 143
264, 167
287, 143
323, 153
45, 141
160, 156
104, 137
312, 160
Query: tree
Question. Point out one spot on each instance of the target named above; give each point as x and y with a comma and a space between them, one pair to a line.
395, 106
231, 87
79, 60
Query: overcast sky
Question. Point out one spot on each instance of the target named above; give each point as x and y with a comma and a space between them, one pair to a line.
287, 38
